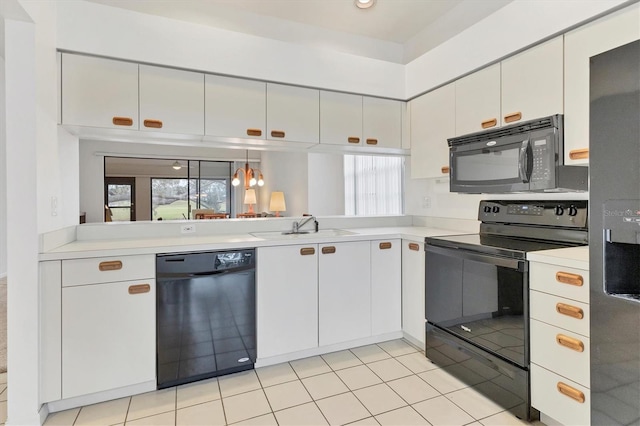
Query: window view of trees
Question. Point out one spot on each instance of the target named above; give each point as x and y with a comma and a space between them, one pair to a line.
170, 198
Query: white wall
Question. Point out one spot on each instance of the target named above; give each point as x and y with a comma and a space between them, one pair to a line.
102, 30
286, 172
514, 27
326, 184
3, 169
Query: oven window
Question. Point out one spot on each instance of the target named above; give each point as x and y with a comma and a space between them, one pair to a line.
488, 164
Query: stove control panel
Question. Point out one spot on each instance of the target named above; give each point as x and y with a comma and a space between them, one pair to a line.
572, 214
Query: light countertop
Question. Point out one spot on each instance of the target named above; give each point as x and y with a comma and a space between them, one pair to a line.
573, 257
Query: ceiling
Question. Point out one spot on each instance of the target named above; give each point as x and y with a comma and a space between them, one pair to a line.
393, 30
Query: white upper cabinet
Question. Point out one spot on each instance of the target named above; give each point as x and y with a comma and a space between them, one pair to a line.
432, 122
293, 113
99, 92
381, 122
235, 107
607, 33
478, 101
340, 118
171, 101
532, 83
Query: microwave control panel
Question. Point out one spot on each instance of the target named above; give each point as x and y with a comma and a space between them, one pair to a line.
541, 171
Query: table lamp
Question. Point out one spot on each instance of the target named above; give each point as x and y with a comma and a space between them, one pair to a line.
277, 203
250, 198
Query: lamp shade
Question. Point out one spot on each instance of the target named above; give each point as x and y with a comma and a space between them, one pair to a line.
277, 203
250, 196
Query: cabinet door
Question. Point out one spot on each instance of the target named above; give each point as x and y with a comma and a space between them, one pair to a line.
99, 92
532, 83
432, 122
345, 292
235, 107
287, 299
293, 113
592, 39
413, 291
386, 286
478, 101
340, 118
171, 101
108, 336
382, 122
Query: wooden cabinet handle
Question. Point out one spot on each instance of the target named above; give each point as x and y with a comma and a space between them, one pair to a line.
385, 246
568, 278
328, 250
277, 134
579, 154
514, 116
372, 141
489, 123
353, 139
306, 251
570, 342
122, 121
569, 310
445, 170
139, 288
571, 392
154, 124
414, 246
254, 132
112, 265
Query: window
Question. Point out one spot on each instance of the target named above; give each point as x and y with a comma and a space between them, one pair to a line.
373, 185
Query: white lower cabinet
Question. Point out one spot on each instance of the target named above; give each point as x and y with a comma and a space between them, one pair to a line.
386, 286
413, 291
108, 336
344, 303
287, 294
564, 400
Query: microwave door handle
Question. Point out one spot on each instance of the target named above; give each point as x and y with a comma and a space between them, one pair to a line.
525, 167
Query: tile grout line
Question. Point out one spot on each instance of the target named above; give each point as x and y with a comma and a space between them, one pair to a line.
265, 396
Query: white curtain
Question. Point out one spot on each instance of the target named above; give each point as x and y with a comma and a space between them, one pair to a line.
373, 185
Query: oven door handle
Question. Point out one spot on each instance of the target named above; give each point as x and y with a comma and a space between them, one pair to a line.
519, 265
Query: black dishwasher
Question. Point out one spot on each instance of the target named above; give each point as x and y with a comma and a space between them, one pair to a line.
205, 315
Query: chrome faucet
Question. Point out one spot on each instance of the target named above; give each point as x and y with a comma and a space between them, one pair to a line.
297, 225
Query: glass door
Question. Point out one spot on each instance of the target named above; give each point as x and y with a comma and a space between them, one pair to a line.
119, 196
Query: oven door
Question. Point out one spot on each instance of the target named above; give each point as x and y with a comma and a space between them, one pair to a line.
482, 299
502, 165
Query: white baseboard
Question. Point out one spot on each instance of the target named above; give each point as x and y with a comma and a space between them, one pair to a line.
80, 401
415, 342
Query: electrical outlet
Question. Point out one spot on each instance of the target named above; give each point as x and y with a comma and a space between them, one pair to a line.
54, 206
188, 229
426, 202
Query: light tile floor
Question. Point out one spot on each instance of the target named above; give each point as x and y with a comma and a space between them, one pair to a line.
391, 383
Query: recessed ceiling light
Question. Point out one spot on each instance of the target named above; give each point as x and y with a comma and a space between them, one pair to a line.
364, 4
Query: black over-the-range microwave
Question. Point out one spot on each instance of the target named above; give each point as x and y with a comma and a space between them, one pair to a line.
522, 157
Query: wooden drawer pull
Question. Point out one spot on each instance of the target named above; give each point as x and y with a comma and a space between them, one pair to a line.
154, 124
353, 139
122, 121
579, 154
489, 123
254, 132
385, 246
569, 310
571, 392
307, 251
112, 265
139, 288
510, 118
328, 250
445, 170
277, 134
414, 246
568, 278
372, 141
570, 342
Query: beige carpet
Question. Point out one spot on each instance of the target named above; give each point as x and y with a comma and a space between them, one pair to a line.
3, 325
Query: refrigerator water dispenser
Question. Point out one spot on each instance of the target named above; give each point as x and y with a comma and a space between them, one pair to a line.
622, 249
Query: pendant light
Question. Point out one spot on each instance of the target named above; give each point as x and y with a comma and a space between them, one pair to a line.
249, 176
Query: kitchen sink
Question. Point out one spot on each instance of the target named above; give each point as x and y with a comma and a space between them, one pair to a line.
288, 235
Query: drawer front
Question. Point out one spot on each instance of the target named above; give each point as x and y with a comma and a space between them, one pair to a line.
560, 312
554, 402
560, 351
107, 269
564, 282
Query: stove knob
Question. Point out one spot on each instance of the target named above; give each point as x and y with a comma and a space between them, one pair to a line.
573, 210
559, 210
496, 209
487, 209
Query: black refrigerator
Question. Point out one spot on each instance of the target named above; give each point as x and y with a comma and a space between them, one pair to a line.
614, 235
